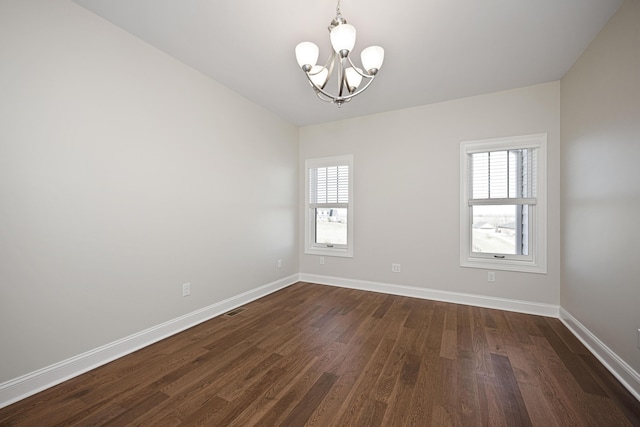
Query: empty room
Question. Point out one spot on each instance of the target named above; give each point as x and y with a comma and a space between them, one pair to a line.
328, 213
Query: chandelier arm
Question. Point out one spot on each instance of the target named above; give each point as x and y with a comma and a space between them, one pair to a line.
341, 78
328, 66
359, 91
338, 99
331, 61
309, 74
323, 97
319, 90
368, 76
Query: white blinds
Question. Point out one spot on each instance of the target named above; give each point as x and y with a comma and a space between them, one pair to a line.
329, 186
503, 177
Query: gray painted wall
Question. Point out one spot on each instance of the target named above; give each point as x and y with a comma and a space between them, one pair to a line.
407, 191
123, 175
601, 186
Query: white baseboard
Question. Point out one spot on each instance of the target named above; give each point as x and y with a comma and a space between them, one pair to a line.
34, 382
527, 307
618, 367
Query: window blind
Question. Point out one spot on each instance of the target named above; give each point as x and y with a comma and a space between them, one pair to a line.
503, 177
329, 186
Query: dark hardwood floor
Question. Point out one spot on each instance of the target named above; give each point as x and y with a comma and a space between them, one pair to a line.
324, 356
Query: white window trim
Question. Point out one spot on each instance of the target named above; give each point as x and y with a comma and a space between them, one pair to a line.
538, 246
310, 247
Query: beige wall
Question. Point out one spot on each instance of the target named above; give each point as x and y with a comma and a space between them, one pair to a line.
123, 174
601, 186
407, 189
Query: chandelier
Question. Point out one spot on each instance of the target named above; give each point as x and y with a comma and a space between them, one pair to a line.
350, 77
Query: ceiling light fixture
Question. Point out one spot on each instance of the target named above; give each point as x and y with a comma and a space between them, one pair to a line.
343, 38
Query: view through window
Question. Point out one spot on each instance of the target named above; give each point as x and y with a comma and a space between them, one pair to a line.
331, 226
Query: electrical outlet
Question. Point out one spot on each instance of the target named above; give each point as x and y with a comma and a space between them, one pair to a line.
186, 289
395, 268
321, 260
279, 263
491, 276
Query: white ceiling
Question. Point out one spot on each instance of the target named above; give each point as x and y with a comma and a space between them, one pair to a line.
435, 50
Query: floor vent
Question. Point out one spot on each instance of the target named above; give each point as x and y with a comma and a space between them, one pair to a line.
235, 311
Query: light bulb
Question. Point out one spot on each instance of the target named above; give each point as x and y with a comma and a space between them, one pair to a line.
343, 37
353, 78
318, 75
372, 58
307, 54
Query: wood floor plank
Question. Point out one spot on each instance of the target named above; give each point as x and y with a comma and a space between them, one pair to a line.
449, 343
468, 406
537, 408
405, 388
392, 371
463, 329
292, 391
518, 325
481, 350
277, 401
615, 391
514, 408
361, 393
559, 385
445, 403
349, 369
384, 307
494, 341
327, 356
526, 373
299, 415
419, 406
570, 359
137, 408
372, 415
490, 408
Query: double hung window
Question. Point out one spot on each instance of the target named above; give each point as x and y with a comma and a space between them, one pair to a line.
503, 204
329, 206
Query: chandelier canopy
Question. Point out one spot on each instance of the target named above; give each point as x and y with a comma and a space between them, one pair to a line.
350, 77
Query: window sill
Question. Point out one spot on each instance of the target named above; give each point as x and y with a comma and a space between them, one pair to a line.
505, 265
337, 252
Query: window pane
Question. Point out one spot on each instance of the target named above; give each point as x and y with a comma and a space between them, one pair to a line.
500, 229
331, 226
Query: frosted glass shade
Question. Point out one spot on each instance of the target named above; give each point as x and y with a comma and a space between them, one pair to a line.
318, 75
353, 78
307, 54
343, 37
372, 58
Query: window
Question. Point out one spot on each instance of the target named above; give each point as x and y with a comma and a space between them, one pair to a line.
503, 204
329, 206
